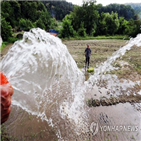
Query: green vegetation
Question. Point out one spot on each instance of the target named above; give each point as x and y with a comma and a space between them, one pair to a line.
136, 7
58, 9
6, 31
4, 135
23, 15
3, 45
122, 37
9, 40
89, 21
125, 11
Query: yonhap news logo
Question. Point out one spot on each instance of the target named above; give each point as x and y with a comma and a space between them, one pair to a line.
95, 128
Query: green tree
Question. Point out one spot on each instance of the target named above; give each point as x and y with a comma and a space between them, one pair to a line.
11, 11
40, 24
123, 24
58, 9
46, 19
133, 28
6, 29
54, 24
87, 14
108, 23
67, 30
29, 10
25, 24
125, 11
82, 30
114, 23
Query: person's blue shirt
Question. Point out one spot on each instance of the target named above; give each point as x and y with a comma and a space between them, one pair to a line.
88, 52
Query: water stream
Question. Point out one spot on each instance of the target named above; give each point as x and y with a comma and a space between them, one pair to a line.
48, 84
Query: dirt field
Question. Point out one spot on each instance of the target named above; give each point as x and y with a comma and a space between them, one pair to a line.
101, 49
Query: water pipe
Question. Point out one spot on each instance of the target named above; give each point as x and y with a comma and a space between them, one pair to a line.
6, 91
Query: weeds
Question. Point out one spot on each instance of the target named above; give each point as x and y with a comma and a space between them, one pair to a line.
2, 133
3, 45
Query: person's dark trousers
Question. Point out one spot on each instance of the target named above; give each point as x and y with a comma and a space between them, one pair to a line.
87, 61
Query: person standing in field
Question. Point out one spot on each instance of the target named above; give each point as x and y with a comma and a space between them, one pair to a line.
87, 55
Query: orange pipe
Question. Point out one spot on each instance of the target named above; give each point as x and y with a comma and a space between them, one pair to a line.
6, 92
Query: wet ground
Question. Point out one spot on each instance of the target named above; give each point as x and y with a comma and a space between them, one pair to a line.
121, 122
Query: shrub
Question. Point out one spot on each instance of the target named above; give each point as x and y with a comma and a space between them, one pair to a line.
25, 24
6, 29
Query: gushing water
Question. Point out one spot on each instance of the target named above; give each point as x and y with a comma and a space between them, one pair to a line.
47, 81
107, 65
44, 76
113, 83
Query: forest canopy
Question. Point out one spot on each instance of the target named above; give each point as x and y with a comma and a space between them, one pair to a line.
24, 15
92, 20
58, 9
70, 20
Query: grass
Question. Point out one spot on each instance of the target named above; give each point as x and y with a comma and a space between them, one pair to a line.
121, 73
2, 46
12, 40
101, 50
123, 37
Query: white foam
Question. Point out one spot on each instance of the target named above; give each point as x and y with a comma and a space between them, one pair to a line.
41, 70
112, 81
139, 92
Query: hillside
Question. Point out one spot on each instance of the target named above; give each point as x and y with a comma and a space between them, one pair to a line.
58, 9
136, 7
125, 11
24, 15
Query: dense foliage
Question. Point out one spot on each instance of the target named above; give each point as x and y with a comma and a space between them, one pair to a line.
108, 24
6, 31
136, 7
58, 9
92, 20
89, 19
24, 15
125, 11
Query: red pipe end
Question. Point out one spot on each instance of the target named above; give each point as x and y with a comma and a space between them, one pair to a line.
3, 79
6, 92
